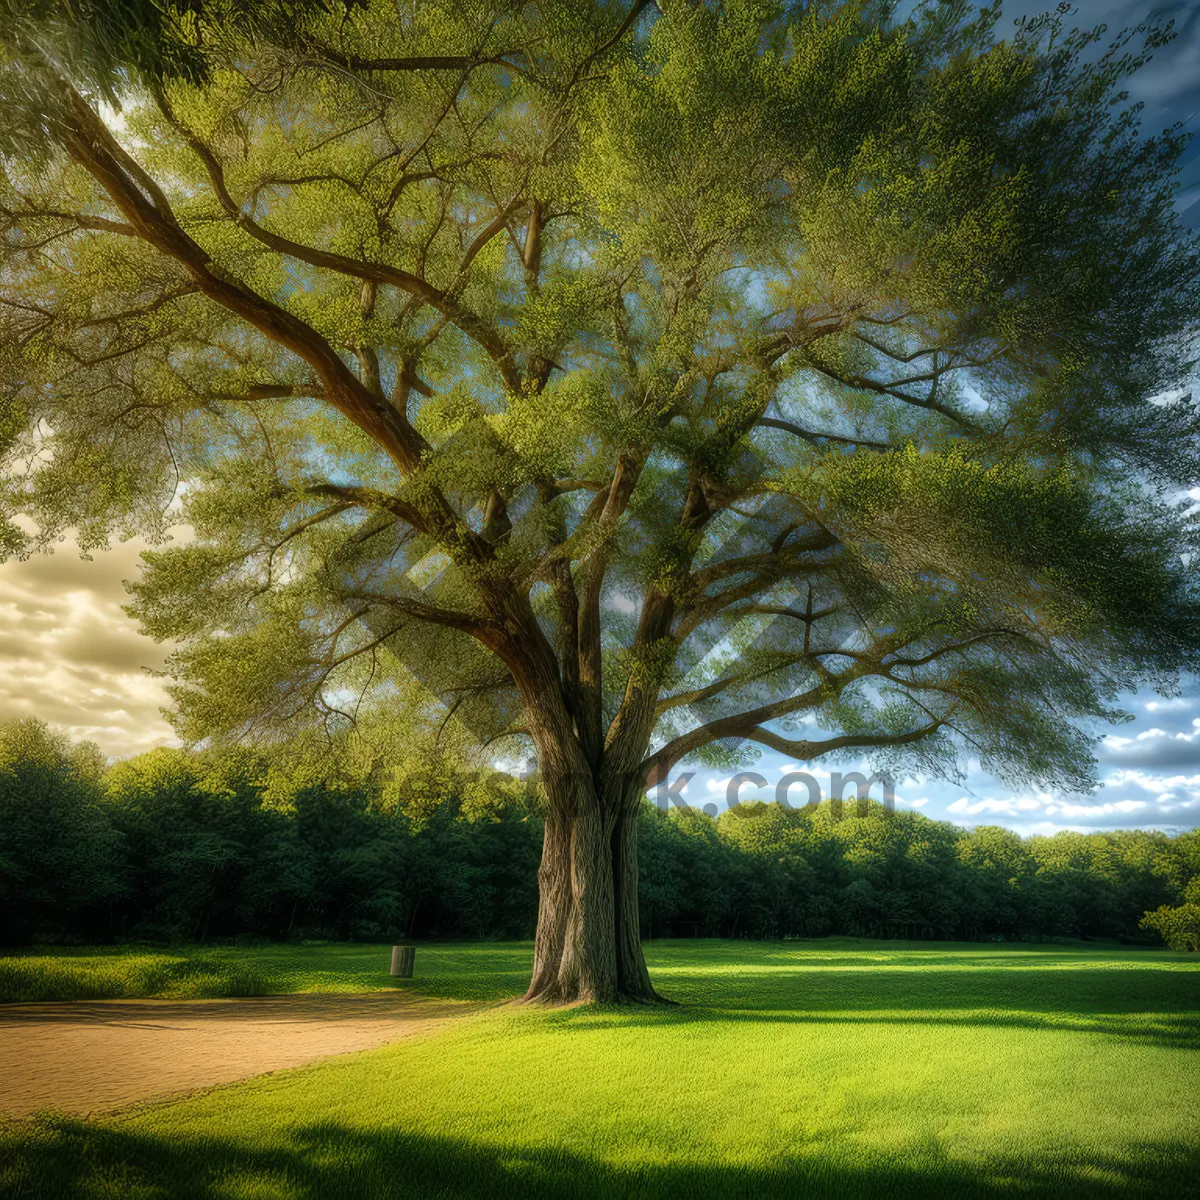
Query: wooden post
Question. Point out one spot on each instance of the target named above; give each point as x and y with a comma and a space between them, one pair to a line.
402, 961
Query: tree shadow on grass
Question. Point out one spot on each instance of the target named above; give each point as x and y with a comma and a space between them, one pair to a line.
724, 978
1052, 989
1146, 1006
55, 1158
1042, 989
1154, 1029
821, 952
292, 1008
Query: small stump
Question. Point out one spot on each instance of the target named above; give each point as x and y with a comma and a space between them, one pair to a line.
402, 961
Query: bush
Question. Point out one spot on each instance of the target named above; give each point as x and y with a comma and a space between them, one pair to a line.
1178, 927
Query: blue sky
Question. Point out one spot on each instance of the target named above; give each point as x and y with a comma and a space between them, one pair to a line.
1168, 86
1149, 767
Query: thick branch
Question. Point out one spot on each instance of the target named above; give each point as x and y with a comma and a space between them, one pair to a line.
805, 750
419, 62
706, 576
421, 611
721, 685
883, 389
443, 302
92, 145
738, 725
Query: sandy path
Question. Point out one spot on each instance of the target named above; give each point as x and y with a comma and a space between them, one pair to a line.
86, 1056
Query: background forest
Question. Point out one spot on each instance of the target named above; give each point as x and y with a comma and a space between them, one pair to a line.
176, 845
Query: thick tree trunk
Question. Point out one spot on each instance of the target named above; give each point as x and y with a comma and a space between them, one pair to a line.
588, 946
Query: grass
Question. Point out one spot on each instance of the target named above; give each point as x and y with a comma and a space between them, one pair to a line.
474, 972
828, 1068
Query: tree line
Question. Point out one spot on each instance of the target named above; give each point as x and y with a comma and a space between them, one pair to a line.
178, 845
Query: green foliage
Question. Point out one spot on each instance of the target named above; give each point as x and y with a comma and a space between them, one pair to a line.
463, 337
765, 871
62, 860
1178, 927
172, 845
106, 41
178, 846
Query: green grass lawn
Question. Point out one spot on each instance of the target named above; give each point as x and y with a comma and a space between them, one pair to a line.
469, 972
827, 1068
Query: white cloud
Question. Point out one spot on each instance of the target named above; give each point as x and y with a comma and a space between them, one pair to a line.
70, 656
1173, 704
1067, 809
1157, 784
1009, 807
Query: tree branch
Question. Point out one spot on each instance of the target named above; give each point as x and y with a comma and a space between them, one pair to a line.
415, 285
806, 751
882, 389
721, 685
815, 438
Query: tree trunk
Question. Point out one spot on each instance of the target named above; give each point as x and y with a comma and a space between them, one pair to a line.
588, 946
632, 975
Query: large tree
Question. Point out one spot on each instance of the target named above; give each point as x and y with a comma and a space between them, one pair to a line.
640, 381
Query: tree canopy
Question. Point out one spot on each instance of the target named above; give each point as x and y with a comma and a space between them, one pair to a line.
626, 381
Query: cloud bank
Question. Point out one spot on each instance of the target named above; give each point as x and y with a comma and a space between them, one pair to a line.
70, 656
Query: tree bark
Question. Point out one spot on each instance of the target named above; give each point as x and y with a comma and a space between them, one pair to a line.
633, 978
588, 947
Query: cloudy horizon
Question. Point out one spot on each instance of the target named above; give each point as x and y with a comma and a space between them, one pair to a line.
71, 657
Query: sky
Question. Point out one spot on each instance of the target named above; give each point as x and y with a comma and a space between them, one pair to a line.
1149, 768
70, 656
1168, 86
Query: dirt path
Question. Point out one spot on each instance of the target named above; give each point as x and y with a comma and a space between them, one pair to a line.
87, 1056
